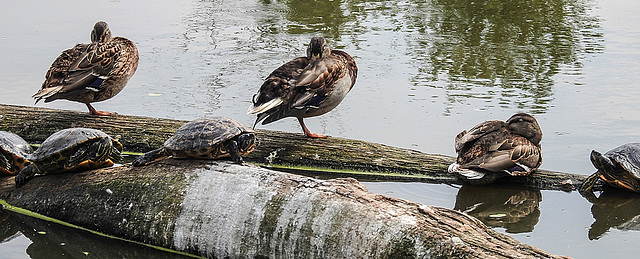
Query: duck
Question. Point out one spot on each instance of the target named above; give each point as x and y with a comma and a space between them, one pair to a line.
93, 72
495, 149
306, 86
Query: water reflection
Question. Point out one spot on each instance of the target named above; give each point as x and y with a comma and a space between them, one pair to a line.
51, 240
502, 51
316, 17
8, 228
515, 210
615, 209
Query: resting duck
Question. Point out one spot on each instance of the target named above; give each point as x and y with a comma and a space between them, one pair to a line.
306, 86
494, 149
92, 72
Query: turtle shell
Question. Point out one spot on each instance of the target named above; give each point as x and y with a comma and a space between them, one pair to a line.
65, 150
203, 137
627, 174
13, 153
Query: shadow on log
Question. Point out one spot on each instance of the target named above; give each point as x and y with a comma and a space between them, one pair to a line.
336, 156
222, 210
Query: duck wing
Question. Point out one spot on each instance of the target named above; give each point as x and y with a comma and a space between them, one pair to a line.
79, 70
467, 138
277, 90
319, 79
514, 155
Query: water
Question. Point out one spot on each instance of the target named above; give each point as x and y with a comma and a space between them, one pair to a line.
428, 69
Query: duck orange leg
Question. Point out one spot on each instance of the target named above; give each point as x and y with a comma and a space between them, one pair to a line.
308, 133
96, 112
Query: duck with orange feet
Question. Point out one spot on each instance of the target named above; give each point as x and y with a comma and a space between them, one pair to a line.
306, 86
94, 72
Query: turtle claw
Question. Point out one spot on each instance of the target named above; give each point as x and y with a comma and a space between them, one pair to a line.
238, 160
20, 180
233, 149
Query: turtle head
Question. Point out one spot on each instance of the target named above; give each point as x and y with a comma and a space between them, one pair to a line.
602, 163
246, 142
318, 48
100, 32
614, 173
525, 125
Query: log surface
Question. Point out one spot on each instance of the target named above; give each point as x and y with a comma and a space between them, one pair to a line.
217, 209
279, 149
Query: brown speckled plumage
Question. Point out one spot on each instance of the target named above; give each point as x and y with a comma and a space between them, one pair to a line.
92, 72
493, 149
306, 86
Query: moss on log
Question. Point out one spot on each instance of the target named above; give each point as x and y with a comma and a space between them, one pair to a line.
336, 156
217, 209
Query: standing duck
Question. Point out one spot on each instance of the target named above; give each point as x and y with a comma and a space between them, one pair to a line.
494, 149
92, 72
306, 86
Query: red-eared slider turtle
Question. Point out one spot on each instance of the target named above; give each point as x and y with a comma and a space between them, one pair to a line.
619, 167
13, 153
71, 150
205, 138
494, 149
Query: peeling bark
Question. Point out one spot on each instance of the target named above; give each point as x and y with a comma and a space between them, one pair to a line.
217, 209
337, 156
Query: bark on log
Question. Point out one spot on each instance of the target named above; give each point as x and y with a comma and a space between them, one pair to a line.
221, 210
336, 156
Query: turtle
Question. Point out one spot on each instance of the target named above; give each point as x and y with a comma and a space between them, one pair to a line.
72, 149
205, 138
619, 167
13, 153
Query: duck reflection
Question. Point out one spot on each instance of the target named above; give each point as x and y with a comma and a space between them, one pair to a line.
614, 209
513, 209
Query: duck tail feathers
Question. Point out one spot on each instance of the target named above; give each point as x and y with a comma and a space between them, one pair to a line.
465, 173
265, 106
45, 93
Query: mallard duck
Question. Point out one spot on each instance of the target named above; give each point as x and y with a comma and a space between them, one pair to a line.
92, 72
306, 86
494, 149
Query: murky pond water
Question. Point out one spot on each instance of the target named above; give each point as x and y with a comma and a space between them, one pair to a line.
428, 69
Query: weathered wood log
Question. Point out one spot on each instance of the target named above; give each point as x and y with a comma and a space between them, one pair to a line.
222, 210
337, 156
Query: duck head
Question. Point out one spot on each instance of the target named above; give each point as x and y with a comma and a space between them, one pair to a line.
100, 32
525, 125
318, 48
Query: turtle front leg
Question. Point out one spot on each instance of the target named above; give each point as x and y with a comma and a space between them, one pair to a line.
25, 175
232, 148
587, 185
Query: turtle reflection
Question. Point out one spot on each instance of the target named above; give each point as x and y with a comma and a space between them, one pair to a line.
515, 210
615, 209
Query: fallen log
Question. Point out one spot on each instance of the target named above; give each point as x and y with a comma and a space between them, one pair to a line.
280, 150
217, 209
